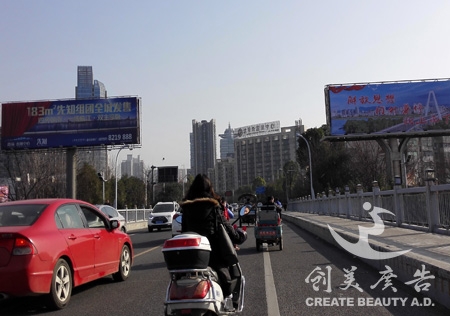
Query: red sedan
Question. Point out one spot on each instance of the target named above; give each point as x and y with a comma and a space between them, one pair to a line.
49, 246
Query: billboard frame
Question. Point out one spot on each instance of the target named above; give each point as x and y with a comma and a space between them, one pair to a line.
71, 123
374, 136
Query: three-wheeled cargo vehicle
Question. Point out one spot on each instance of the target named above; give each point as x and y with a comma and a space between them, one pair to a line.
268, 228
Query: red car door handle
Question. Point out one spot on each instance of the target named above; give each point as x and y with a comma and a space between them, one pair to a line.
96, 236
72, 237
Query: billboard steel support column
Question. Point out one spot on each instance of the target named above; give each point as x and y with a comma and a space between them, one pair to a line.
394, 149
71, 168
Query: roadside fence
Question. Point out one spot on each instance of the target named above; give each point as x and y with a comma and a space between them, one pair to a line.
135, 214
420, 208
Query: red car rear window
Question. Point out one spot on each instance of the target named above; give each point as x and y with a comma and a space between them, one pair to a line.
20, 215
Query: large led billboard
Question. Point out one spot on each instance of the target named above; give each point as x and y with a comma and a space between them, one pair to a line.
70, 123
389, 108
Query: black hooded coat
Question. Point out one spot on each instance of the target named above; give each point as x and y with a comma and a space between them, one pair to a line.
201, 216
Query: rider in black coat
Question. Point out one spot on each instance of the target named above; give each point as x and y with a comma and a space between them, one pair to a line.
201, 213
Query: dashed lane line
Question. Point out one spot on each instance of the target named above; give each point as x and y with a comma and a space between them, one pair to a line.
144, 252
271, 292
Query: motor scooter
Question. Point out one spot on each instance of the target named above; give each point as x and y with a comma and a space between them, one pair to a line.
194, 287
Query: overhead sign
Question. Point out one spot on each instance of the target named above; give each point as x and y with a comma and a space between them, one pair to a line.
260, 190
70, 123
257, 129
167, 174
388, 108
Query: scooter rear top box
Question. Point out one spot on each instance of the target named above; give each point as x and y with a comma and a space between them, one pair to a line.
187, 251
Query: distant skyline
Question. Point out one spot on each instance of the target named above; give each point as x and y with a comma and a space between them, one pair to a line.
238, 62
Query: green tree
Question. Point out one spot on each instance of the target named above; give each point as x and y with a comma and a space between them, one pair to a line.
291, 176
257, 183
171, 191
131, 192
89, 187
243, 190
331, 163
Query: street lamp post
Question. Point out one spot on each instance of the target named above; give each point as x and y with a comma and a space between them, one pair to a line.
182, 182
152, 184
103, 180
310, 166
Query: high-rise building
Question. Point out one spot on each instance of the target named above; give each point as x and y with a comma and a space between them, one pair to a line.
88, 88
133, 167
261, 150
224, 180
227, 143
203, 146
99, 89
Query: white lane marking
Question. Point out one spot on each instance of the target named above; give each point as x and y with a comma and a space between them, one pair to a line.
271, 292
145, 251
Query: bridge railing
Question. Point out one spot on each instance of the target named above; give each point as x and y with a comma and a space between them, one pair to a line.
421, 208
135, 214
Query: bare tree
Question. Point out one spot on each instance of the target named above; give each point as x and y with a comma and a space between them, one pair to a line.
34, 174
368, 163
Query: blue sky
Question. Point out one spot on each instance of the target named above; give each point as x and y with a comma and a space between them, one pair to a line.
238, 62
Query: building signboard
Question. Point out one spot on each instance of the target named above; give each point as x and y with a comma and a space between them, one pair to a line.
257, 130
389, 108
70, 123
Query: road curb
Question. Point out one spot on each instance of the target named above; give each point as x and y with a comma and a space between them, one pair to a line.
132, 226
404, 266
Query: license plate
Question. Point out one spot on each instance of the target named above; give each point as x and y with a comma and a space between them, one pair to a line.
159, 222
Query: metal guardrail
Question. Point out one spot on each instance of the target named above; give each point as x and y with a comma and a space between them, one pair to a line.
135, 215
421, 208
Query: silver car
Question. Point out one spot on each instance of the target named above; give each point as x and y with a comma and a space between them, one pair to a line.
112, 213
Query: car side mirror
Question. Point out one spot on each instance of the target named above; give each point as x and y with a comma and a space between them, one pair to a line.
114, 224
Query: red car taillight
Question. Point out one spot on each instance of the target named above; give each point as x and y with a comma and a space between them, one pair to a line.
192, 291
23, 246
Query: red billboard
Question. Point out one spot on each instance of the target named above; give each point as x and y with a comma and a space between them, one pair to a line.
70, 123
419, 108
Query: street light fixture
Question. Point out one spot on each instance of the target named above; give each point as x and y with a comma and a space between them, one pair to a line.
310, 166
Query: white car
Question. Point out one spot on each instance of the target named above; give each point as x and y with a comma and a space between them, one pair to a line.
161, 215
112, 213
176, 224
